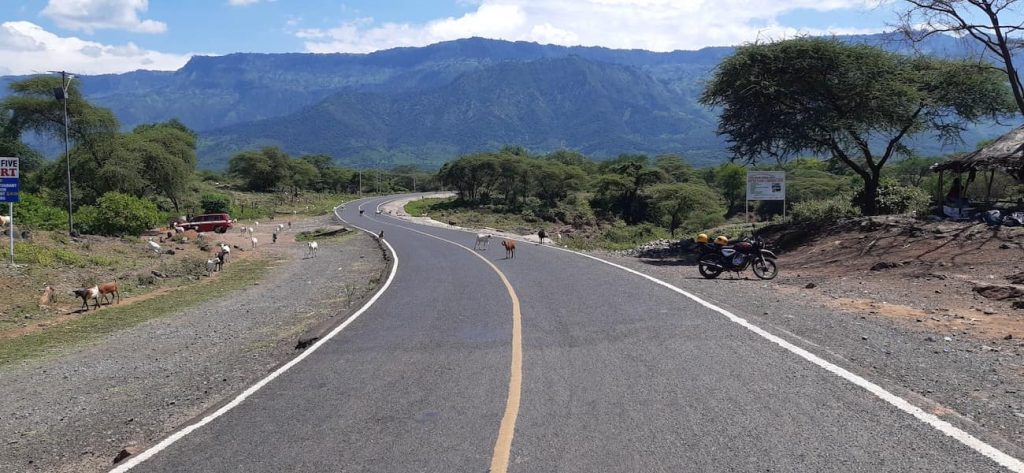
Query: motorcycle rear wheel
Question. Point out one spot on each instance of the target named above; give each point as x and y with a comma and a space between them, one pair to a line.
765, 268
706, 270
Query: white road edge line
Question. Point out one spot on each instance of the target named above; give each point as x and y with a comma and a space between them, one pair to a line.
167, 442
1009, 462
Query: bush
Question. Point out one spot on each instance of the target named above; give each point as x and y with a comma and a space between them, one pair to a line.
34, 212
824, 211
895, 198
215, 203
87, 220
120, 214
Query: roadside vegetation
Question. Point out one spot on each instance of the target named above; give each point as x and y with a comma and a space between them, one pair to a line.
838, 118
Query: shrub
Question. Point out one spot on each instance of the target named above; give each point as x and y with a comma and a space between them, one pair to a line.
34, 212
824, 211
215, 203
118, 214
895, 198
87, 220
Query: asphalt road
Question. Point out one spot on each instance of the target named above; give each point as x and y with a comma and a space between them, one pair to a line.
618, 374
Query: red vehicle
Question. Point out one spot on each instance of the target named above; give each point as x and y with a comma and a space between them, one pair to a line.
218, 223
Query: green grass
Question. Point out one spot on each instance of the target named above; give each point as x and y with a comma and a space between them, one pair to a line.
92, 325
419, 208
321, 235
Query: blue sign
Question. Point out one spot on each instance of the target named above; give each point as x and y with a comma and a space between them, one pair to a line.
9, 190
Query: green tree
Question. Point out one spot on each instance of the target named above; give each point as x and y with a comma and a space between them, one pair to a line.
262, 170
731, 181
678, 203
854, 102
676, 167
32, 107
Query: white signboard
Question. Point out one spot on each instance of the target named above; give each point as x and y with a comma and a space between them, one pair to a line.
766, 185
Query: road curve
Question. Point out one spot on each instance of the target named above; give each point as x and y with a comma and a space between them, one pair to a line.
618, 374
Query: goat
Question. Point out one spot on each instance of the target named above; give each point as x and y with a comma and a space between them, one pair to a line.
361, 211
211, 266
379, 211
222, 257
542, 234
154, 246
110, 288
311, 249
481, 241
256, 223
250, 231
87, 293
178, 228
381, 235
47, 298
244, 229
510, 248
274, 238
289, 224
254, 241
451, 222
4, 220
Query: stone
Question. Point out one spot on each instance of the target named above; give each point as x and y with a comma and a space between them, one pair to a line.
158, 274
884, 265
125, 453
998, 293
810, 285
1008, 337
1018, 305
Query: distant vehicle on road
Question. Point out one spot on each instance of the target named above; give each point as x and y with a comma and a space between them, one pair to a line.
217, 222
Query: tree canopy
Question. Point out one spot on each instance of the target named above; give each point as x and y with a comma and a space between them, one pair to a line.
856, 103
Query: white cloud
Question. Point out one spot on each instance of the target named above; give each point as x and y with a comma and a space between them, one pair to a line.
657, 25
91, 15
242, 3
27, 48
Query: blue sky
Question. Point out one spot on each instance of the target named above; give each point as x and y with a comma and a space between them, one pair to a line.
96, 36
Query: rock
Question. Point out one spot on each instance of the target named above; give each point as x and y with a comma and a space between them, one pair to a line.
1005, 246
998, 293
947, 339
125, 453
1018, 304
884, 265
929, 338
810, 285
170, 252
1016, 278
863, 337
988, 312
1008, 337
158, 274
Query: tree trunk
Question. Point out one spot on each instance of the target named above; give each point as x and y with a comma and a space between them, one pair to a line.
869, 205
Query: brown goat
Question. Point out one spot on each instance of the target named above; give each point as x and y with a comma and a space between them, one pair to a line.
111, 289
510, 248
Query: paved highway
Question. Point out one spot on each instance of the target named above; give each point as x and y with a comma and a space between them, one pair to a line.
554, 362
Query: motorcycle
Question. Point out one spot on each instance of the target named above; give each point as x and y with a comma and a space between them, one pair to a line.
737, 258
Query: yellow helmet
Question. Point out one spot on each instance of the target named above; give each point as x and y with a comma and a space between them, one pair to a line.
702, 238
721, 240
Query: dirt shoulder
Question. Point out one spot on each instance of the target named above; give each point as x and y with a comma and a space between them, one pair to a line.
74, 410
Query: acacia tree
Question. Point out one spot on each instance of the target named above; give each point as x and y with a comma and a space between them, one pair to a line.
988, 22
856, 103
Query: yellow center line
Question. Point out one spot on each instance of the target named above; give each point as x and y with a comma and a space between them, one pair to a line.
503, 445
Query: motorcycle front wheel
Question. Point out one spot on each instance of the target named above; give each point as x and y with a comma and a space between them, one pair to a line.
765, 268
704, 265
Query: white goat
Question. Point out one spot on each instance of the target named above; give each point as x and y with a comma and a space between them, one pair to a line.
211, 266
4, 220
481, 241
254, 241
311, 249
154, 246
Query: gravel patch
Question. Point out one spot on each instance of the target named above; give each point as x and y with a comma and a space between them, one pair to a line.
76, 411
956, 374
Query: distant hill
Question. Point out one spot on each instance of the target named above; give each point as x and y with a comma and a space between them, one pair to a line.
426, 105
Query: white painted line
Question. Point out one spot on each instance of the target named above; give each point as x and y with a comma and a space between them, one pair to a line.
1000, 457
167, 442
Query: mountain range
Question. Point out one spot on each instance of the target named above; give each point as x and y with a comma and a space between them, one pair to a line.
427, 105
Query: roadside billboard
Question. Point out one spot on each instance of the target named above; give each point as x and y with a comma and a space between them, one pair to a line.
9, 186
766, 185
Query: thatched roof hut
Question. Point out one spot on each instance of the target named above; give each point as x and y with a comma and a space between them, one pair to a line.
1004, 154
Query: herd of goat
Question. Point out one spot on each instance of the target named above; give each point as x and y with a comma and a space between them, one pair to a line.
98, 294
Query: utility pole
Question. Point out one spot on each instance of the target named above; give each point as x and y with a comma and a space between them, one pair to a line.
61, 94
